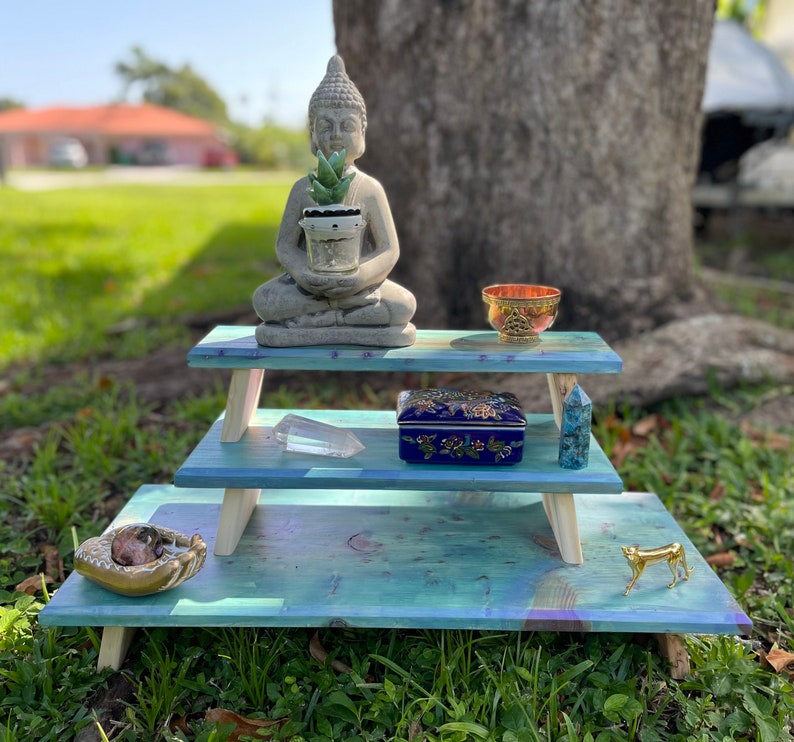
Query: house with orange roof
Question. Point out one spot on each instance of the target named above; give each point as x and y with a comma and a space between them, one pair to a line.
113, 134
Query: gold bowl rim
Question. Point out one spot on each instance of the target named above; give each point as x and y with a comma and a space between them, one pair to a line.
554, 294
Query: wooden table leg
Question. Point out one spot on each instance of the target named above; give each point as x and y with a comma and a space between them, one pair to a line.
113, 647
244, 391
561, 512
560, 508
238, 504
672, 648
560, 386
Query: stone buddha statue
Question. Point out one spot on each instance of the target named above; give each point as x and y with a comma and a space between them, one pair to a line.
304, 306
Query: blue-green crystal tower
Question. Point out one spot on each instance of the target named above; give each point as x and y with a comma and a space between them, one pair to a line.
577, 413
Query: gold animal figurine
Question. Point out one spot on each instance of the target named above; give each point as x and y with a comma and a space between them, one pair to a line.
638, 559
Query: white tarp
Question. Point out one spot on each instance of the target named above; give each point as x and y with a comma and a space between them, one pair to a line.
743, 74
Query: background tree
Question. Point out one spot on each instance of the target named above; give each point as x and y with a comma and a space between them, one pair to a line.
548, 141
141, 71
6, 104
186, 91
181, 89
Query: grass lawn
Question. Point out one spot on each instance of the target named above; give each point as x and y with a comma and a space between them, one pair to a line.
80, 262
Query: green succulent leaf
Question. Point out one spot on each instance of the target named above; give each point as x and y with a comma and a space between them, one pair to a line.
325, 173
327, 184
321, 195
339, 191
337, 162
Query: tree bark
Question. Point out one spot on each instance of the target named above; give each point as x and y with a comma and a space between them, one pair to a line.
535, 141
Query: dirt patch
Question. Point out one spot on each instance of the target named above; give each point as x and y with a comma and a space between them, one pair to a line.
678, 359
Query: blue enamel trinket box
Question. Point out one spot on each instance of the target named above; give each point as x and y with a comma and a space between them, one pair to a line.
453, 426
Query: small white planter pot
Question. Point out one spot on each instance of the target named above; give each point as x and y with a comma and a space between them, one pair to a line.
333, 238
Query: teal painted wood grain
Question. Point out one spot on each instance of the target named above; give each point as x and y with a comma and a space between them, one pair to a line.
257, 461
434, 350
406, 559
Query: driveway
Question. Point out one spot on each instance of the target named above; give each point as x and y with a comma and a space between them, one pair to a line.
45, 180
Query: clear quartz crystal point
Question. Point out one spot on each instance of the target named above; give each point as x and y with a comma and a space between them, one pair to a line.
302, 435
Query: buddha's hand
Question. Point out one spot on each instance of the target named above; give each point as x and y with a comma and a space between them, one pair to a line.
361, 299
334, 287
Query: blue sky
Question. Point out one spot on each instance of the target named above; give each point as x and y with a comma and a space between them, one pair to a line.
264, 57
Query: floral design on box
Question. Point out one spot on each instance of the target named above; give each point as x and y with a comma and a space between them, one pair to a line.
460, 426
456, 447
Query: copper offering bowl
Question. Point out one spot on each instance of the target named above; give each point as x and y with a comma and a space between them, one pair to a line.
519, 311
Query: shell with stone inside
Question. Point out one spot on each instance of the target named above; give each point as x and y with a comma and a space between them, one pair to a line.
162, 559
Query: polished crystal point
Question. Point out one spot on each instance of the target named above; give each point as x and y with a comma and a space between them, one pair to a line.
577, 414
302, 435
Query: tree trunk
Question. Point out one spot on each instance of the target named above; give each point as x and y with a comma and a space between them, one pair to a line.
535, 141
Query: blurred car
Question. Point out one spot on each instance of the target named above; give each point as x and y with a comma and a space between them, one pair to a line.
153, 152
220, 158
68, 153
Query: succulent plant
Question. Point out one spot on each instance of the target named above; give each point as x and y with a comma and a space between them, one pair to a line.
328, 185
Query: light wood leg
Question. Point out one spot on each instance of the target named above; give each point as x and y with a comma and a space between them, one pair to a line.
561, 512
238, 504
560, 386
244, 391
672, 648
113, 647
560, 508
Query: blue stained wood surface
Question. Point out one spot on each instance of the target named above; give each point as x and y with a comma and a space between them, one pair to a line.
413, 560
257, 461
434, 350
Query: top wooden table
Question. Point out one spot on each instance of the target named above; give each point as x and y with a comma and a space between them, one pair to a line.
434, 350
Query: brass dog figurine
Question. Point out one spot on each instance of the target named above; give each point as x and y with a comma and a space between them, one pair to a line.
638, 559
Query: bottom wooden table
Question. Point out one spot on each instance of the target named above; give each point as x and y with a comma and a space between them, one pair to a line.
409, 559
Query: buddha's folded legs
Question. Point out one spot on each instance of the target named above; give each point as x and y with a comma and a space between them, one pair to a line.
282, 301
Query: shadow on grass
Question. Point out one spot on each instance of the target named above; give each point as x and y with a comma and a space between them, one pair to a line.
218, 279
221, 276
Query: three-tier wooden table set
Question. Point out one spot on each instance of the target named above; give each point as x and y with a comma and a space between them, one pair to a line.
374, 541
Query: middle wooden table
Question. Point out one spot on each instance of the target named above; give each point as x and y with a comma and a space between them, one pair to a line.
240, 455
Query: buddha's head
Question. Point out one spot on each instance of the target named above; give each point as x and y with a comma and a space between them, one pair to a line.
337, 114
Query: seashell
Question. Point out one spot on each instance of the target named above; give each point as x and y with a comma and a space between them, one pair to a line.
165, 558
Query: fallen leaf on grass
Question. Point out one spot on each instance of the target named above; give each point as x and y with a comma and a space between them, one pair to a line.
243, 726
780, 660
722, 559
757, 494
20, 443
53, 564
649, 425
634, 438
720, 537
743, 542
106, 382
717, 492
767, 438
624, 448
31, 585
